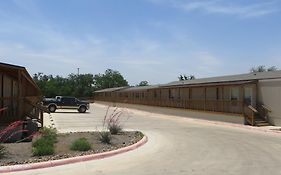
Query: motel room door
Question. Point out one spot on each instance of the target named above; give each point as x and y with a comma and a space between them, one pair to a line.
249, 96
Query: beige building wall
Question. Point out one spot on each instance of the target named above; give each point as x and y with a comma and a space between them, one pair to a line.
269, 92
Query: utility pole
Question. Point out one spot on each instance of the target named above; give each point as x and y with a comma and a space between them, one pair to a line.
78, 70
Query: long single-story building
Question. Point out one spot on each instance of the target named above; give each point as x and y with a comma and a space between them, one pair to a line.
256, 96
19, 95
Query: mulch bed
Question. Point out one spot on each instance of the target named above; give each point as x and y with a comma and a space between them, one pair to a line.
21, 153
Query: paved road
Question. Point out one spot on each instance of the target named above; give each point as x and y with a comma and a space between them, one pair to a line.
176, 146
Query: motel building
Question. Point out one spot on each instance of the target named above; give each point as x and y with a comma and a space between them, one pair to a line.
20, 97
255, 98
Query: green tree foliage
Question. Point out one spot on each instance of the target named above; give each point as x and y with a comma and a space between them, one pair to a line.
262, 68
109, 79
184, 77
143, 83
82, 85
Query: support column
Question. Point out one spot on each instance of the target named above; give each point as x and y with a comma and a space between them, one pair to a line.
190, 98
222, 98
205, 98
242, 98
19, 100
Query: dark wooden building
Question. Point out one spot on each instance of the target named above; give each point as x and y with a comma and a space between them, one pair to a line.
19, 95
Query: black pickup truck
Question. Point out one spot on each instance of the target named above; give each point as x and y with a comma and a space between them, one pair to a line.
63, 102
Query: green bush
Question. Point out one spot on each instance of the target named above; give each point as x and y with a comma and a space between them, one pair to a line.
49, 133
42, 141
80, 144
43, 146
2, 151
114, 128
105, 137
139, 134
43, 150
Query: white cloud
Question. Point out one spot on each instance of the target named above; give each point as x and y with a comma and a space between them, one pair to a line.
225, 7
252, 10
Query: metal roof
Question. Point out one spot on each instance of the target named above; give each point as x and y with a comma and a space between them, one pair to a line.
225, 80
228, 78
113, 89
140, 88
11, 67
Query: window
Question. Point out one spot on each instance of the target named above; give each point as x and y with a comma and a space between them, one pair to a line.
234, 93
68, 100
248, 97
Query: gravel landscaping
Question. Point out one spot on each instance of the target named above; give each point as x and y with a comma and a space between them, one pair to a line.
21, 153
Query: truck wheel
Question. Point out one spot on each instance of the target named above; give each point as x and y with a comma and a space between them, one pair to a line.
82, 109
52, 108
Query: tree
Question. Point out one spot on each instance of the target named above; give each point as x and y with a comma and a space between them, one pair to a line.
82, 85
262, 68
192, 77
109, 79
184, 77
272, 68
73, 85
180, 78
143, 83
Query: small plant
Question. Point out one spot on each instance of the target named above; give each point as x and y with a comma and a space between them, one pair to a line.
139, 134
2, 151
43, 150
11, 132
41, 142
49, 134
112, 121
80, 144
114, 128
43, 146
105, 137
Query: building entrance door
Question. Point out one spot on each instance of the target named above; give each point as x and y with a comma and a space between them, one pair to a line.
248, 96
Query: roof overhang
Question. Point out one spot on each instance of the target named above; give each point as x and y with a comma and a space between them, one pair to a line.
212, 84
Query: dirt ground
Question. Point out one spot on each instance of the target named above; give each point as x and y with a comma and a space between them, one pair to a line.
20, 153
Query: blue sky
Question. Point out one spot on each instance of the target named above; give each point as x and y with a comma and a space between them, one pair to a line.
153, 40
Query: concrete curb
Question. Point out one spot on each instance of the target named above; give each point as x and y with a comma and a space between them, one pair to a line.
247, 127
53, 163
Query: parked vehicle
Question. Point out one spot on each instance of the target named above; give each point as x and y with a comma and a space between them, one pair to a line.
64, 102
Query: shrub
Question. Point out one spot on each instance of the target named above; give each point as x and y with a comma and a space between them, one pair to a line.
80, 144
49, 134
41, 142
105, 137
43, 146
139, 134
114, 128
112, 121
43, 150
2, 151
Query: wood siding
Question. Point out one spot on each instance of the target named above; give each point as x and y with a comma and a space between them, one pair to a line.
228, 99
17, 93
